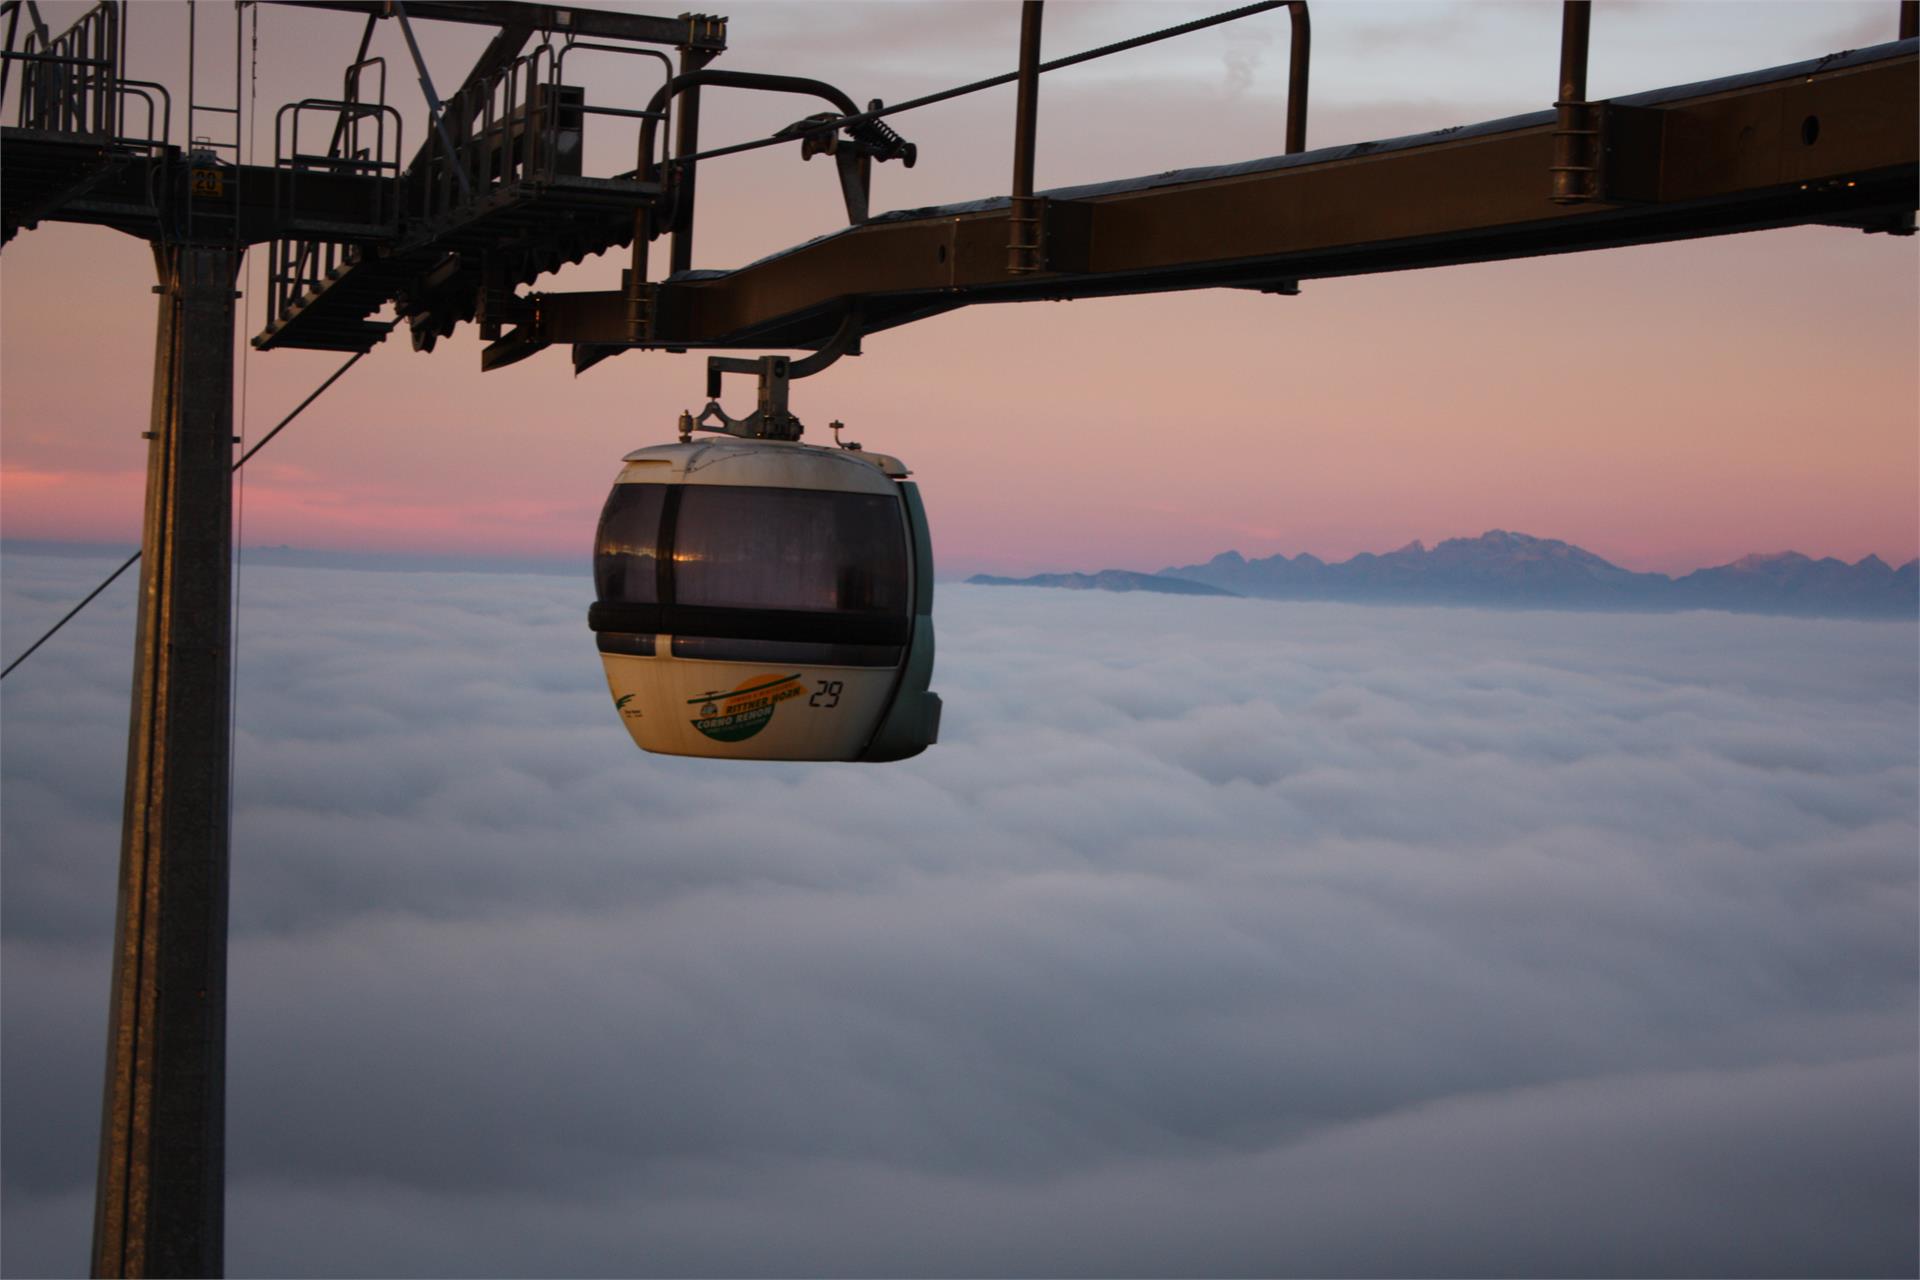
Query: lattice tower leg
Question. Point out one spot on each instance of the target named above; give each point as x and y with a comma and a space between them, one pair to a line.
159, 1209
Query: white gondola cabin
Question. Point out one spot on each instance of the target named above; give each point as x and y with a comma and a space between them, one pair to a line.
767, 600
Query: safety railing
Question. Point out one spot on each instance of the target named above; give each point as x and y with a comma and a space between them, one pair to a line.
523, 124
71, 83
507, 130
367, 142
68, 81
69, 87
662, 117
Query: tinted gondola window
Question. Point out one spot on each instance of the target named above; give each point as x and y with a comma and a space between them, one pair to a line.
731, 649
625, 564
749, 548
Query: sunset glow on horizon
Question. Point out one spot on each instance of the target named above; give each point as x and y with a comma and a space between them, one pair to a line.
1401, 774
1666, 407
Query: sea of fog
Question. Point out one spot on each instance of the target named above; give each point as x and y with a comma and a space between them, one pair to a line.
1217, 937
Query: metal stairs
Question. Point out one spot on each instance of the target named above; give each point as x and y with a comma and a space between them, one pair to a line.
497, 197
71, 128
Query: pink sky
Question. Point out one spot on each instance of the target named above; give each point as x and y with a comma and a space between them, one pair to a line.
1665, 407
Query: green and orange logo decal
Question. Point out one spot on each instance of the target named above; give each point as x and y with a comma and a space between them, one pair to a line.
738, 714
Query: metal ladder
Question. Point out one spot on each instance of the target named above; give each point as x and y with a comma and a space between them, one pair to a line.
196, 142
210, 203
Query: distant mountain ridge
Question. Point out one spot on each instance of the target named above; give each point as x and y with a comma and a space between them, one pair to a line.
1517, 570
1108, 580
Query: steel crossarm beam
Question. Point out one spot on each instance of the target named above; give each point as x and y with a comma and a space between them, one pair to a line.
692, 30
124, 198
1828, 142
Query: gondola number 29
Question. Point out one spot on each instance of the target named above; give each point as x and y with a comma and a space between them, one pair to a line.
827, 695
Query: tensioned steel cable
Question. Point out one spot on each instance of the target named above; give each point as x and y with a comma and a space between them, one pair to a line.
246, 366
839, 122
1121, 46
264, 440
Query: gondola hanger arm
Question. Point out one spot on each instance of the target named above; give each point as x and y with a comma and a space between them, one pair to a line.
771, 418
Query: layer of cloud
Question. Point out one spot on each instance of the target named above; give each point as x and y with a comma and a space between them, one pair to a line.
1218, 936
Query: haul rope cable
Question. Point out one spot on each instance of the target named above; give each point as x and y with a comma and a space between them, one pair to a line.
264, 441
944, 95
1119, 46
246, 366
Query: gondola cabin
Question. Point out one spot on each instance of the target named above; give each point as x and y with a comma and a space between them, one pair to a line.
767, 600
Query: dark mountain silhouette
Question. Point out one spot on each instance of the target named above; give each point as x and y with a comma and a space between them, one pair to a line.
1516, 570
1792, 583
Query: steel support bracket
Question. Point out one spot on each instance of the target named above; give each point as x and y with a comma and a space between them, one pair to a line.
523, 341
853, 154
770, 419
497, 305
1284, 288
642, 302
1631, 150
1896, 223
1045, 234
